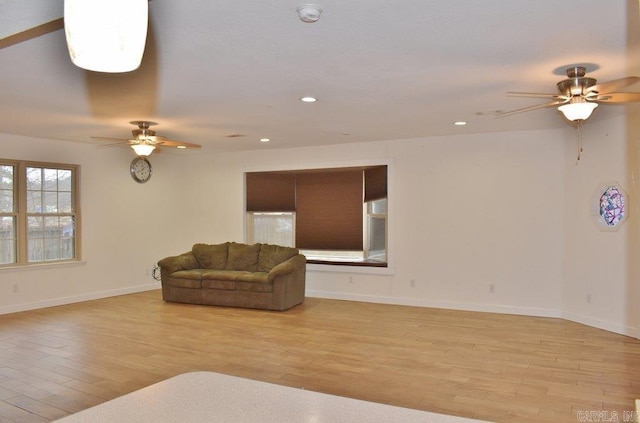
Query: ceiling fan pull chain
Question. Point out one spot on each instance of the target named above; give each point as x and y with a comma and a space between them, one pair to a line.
579, 140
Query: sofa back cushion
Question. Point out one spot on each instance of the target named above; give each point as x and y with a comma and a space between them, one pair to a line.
243, 257
272, 255
211, 256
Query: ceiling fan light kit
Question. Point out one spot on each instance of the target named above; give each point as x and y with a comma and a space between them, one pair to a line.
577, 110
143, 149
106, 35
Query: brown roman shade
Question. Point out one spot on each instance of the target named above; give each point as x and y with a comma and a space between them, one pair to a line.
375, 183
328, 202
271, 191
329, 209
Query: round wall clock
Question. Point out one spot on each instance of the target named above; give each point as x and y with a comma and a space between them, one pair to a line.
140, 170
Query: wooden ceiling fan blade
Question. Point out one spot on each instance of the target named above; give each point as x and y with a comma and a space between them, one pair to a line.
618, 98
170, 143
115, 144
32, 33
527, 109
616, 84
123, 140
535, 95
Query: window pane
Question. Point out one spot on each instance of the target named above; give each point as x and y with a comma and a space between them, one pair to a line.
34, 178
34, 202
377, 234
7, 240
50, 202
612, 207
6, 201
51, 249
273, 228
67, 242
6, 177
64, 202
379, 206
50, 179
6, 189
52, 234
35, 238
64, 180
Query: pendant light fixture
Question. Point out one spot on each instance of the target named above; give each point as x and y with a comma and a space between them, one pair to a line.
106, 35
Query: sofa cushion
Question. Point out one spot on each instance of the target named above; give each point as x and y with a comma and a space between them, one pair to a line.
211, 256
243, 257
272, 255
186, 279
260, 277
219, 284
221, 275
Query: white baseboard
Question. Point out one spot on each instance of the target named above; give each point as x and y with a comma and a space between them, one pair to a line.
602, 324
487, 308
419, 302
78, 298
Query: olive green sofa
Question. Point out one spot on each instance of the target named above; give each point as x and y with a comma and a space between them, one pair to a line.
260, 276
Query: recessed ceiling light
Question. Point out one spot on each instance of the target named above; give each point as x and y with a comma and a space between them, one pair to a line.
182, 146
460, 123
265, 139
308, 99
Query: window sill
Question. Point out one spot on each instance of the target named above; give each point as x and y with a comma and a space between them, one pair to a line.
348, 267
41, 266
364, 263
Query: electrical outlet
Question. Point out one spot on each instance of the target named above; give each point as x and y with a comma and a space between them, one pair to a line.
14, 288
412, 283
589, 298
492, 288
350, 279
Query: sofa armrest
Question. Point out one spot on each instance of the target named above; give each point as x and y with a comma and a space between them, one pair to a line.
287, 267
184, 261
288, 279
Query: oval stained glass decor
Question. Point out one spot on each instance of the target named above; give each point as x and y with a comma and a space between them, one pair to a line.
612, 207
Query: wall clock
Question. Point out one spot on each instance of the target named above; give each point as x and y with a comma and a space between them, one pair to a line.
140, 170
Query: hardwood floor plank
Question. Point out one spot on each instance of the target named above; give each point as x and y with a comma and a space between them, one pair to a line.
487, 366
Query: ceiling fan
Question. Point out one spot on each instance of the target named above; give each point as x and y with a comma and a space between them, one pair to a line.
145, 140
578, 95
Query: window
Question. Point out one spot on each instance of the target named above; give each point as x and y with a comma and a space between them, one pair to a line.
376, 245
610, 206
336, 215
39, 212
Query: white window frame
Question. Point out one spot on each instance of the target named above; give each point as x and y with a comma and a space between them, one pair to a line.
21, 214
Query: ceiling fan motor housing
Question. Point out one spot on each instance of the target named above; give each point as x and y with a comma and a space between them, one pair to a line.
576, 84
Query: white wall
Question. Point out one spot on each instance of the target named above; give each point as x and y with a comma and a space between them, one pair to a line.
466, 212
601, 267
504, 209
124, 226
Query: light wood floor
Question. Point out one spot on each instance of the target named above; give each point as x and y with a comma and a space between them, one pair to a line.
495, 367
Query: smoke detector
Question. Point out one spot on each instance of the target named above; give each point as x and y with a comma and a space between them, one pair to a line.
309, 13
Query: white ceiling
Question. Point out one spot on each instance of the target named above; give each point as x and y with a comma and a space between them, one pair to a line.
381, 70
